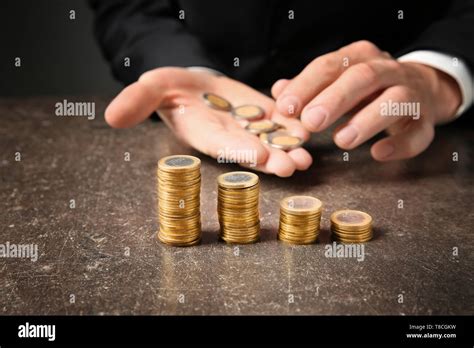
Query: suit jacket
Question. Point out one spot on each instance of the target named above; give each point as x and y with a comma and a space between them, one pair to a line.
267, 42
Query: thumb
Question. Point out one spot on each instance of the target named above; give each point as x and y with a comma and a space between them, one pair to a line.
132, 105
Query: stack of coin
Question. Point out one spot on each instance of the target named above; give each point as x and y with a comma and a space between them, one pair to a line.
300, 218
351, 226
179, 186
237, 207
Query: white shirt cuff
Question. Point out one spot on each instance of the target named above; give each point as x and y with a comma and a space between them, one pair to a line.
205, 70
453, 66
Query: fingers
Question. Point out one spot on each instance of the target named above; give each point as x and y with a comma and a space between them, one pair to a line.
319, 74
268, 159
409, 143
279, 163
284, 164
293, 126
223, 143
369, 121
140, 99
352, 87
238, 147
278, 87
301, 158
133, 105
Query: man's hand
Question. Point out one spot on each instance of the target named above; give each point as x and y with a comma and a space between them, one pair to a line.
176, 93
361, 79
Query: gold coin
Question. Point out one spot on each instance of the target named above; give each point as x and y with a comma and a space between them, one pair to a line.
179, 163
301, 204
351, 226
217, 102
281, 140
263, 126
248, 112
351, 218
236, 180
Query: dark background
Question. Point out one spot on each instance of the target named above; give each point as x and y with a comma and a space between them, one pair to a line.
59, 56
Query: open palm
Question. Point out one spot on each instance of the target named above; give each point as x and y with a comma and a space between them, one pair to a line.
176, 93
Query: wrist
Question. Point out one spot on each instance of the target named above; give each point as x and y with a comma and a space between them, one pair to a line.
445, 94
450, 93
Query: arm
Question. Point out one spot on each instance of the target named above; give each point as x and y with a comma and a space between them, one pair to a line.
447, 46
453, 34
149, 33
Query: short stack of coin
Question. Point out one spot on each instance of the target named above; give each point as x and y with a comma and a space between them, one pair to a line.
351, 226
300, 218
238, 207
179, 187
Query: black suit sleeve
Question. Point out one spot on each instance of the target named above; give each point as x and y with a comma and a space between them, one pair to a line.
453, 34
149, 32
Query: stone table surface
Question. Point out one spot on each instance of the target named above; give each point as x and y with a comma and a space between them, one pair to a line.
103, 257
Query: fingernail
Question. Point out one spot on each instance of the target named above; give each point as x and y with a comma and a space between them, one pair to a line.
346, 136
288, 105
385, 150
315, 117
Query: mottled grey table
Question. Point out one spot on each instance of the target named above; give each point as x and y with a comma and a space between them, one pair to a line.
103, 257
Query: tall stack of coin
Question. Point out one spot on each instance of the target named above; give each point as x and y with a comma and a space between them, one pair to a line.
351, 226
300, 218
237, 207
179, 186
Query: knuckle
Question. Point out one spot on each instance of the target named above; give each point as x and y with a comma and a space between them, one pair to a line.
325, 64
366, 71
156, 77
367, 46
392, 64
401, 93
147, 76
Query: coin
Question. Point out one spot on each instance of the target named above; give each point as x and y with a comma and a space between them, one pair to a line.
351, 226
263, 126
238, 207
217, 102
300, 218
237, 179
179, 163
281, 139
248, 112
179, 186
301, 204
